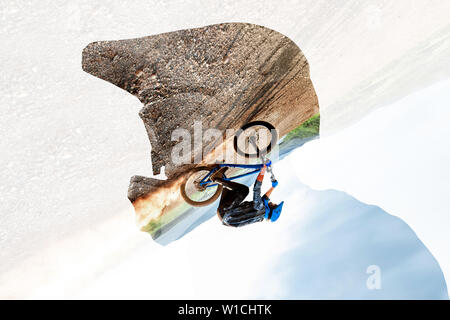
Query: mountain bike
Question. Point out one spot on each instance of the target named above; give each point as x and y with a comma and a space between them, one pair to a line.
253, 140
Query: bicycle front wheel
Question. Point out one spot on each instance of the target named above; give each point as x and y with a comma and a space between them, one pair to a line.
265, 137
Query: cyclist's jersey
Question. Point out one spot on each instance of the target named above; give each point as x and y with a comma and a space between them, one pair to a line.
246, 212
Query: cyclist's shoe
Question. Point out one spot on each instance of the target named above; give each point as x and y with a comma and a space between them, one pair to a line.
272, 214
219, 173
276, 212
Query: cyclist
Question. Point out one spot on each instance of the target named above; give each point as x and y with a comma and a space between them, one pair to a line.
235, 213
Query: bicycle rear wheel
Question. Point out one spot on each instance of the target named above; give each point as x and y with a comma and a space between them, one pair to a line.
265, 137
200, 195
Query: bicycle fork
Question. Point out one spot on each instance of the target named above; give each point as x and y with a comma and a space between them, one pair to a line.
263, 158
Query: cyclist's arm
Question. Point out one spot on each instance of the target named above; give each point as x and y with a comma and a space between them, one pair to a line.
260, 177
257, 200
267, 194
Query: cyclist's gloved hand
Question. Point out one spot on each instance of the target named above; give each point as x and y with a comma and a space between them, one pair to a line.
269, 163
274, 184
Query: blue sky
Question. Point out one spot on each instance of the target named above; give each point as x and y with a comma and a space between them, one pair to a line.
397, 158
319, 249
338, 238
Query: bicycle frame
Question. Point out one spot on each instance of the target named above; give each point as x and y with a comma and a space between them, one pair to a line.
256, 167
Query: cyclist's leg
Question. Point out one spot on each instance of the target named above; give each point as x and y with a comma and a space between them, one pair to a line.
239, 219
232, 195
239, 190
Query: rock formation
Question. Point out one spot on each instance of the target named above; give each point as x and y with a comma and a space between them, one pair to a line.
224, 75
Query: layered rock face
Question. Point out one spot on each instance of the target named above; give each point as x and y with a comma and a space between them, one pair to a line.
223, 75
